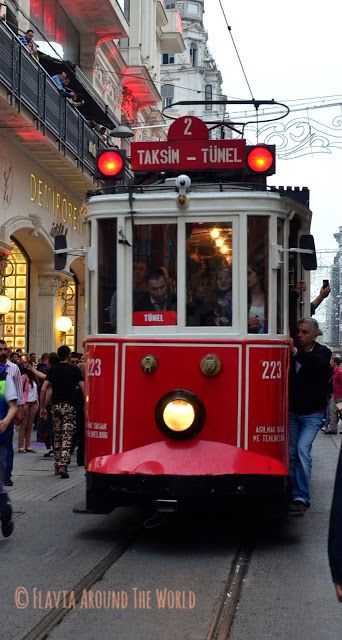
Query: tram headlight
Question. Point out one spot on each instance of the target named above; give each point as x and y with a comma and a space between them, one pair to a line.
180, 414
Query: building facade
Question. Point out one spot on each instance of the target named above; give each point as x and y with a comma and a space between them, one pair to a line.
192, 74
48, 146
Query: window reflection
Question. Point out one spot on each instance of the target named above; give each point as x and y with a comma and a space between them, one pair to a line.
209, 274
257, 274
280, 280
107, 312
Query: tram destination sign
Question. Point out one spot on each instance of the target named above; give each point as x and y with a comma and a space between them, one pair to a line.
188, 148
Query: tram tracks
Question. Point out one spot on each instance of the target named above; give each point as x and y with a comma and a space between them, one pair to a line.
224, 615
74, 595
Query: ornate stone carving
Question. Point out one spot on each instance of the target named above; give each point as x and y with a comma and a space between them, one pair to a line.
37, 224
48, 285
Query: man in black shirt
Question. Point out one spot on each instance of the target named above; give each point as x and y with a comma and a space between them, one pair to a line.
65, 380
309, 380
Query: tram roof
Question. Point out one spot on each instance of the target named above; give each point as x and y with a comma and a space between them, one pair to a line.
291, 198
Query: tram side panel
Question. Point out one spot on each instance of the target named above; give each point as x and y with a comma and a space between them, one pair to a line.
266, 400
102, 387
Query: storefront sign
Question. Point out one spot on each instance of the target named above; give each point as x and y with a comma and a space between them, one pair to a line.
57, 203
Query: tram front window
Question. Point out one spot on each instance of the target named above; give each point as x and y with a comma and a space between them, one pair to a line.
155, 275
209, 274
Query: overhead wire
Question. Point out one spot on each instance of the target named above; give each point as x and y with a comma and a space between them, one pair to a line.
235, 47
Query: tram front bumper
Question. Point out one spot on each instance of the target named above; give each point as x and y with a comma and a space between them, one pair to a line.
198, 470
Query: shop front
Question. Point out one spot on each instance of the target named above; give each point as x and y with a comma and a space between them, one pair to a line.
34, 208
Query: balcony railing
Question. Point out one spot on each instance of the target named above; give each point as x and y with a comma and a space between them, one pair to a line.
29, 84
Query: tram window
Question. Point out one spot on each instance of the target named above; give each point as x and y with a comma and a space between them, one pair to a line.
257, 280
209, 274
155, 275
295, 276
107, 241
280, 281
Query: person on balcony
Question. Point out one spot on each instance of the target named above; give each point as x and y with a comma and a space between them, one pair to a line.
71, 95
59, 79
62, 82
29, 44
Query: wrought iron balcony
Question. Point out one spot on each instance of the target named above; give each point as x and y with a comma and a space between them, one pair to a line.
29, 86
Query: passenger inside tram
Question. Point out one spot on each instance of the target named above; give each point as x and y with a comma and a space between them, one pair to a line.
256, 297
257, 273
222, 315
203, 301
158, 296
209, 274
139, 277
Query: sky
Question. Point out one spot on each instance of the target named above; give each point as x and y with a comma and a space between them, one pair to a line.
290, 51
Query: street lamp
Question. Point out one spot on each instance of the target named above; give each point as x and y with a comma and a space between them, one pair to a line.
5, 305
63, 325
122, 131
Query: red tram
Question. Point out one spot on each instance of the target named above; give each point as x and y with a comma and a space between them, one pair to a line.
188, 310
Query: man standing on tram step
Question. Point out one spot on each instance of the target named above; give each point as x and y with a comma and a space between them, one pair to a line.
309, 380
335, 532
65, 380
8, 409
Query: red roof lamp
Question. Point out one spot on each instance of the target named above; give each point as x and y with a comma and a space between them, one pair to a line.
260, 159
110, 163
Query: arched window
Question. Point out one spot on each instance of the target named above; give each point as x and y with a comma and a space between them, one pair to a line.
193, 54
208, 96
16, 288
167, 93
68, 307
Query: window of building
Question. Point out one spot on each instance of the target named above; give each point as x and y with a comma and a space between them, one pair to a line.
193, 54
208, 96
170, 4
193, 8
167, 93
16, 288
168, 58
127, 8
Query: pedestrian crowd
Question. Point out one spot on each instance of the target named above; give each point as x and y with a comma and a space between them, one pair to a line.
48, 394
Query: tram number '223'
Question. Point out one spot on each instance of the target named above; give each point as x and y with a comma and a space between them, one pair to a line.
94, 367
271, 370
